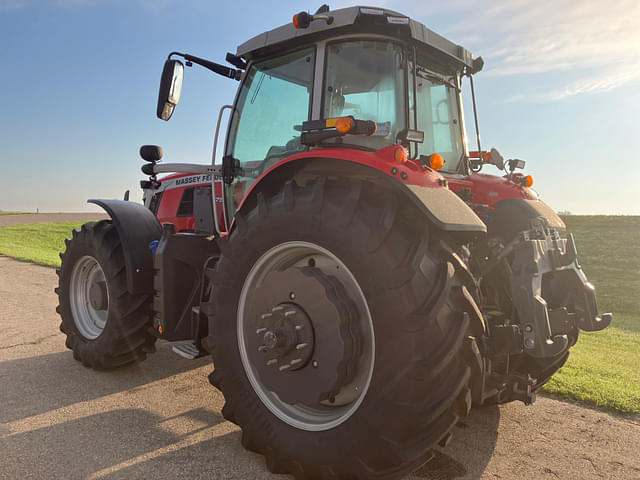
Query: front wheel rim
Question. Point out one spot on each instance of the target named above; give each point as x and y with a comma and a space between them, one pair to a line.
89, 297
326, 414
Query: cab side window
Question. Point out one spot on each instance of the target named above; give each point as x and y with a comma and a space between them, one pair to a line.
185, 208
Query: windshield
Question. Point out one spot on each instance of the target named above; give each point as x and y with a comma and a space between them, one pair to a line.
438, 116
365, 79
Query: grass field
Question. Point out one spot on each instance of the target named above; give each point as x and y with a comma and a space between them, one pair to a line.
10, 212
36, 242
603, 368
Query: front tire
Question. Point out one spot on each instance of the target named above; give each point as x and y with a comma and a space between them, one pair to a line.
106, 326
397, 381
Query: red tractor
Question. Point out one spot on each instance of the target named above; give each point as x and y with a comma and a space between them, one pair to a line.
358, 283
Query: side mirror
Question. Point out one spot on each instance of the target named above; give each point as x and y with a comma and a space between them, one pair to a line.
494, 158
170, 88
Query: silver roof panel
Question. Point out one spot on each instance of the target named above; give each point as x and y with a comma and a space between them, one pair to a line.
286, 36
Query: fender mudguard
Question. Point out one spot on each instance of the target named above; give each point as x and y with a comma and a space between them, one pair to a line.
441, 206
513, 215
446, 210
136, 227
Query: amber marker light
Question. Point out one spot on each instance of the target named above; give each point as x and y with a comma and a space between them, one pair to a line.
295, 22
400, 155
527, 181
436, 161
344, 124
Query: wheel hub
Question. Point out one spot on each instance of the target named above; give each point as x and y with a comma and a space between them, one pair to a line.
98, 295
287, 342
303, 351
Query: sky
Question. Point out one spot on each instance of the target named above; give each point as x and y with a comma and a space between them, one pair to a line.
79, 78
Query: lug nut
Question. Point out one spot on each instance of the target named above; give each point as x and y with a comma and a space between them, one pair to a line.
528, 328
530, 342
314, 364
292, 296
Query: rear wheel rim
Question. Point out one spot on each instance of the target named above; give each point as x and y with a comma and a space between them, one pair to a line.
324, 415
90, 311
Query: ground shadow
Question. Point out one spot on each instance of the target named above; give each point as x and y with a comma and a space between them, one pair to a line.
472, 445
42, 383
137, 443
81, 447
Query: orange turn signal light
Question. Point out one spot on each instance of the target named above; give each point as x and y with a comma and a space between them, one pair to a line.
295, 21
486, 156
527, 181
400, 155
436, 161
344, 124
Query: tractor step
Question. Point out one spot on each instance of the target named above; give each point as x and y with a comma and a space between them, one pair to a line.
189, 351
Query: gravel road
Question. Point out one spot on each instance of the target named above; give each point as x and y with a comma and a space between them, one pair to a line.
161, 419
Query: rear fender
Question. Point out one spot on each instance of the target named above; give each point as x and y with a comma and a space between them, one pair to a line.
136, 227
440, 206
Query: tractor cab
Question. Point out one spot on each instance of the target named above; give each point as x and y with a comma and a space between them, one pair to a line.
358, 79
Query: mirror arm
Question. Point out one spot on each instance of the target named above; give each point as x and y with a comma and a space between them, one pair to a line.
214, 67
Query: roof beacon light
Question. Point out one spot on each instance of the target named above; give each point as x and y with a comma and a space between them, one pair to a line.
304, 19
526, 181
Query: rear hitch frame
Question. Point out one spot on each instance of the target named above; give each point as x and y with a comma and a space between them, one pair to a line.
538, 251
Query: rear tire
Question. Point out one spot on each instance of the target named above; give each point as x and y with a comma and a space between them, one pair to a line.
106, 326
418, 386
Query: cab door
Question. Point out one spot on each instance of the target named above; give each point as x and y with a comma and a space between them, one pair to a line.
275, 97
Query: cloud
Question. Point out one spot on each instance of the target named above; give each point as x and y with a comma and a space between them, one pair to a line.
594, 43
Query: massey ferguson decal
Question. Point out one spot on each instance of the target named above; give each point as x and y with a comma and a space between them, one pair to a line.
187, 180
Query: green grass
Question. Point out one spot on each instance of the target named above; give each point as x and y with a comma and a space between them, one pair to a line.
10, 212
36, 242
604, 367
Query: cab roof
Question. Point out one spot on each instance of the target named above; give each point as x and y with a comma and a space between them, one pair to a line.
371, 20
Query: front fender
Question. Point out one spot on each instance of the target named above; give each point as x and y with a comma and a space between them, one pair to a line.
511, 216
136, 227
